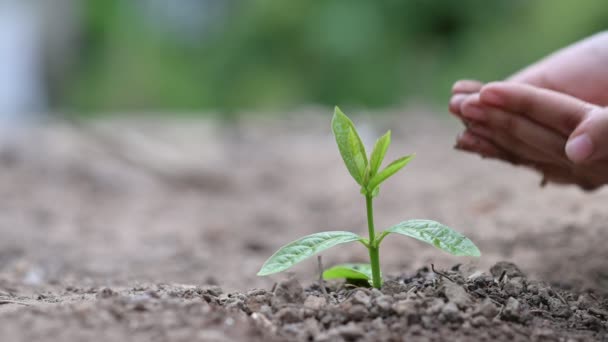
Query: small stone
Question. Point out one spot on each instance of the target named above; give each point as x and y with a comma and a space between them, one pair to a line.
405, 306
514, 286
376, 293
533, 287
479, 321
255, 303
456, 294
357, 312
315, 303
212, 290
585, 301
384, 302
512, 311
106, 293
434, 306
543, 334
392, 287
450, 313
351, 331
289, 315
558, 308
486, 309
511, 270
408, 309
288, 292
360, 297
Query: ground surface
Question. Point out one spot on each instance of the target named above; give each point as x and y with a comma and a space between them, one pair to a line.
118, 231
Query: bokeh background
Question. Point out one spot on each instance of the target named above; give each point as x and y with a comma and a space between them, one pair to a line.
90, 57
184, 141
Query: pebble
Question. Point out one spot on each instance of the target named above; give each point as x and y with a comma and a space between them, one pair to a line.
514, 286
360, 297
288, 291
512, 310
289, 315
486, 309
450, 313
511, 270
315, 303
456, 294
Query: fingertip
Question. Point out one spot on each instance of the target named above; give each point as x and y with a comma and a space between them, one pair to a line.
455, 102
579, 148
471, 108
493, 94
466, 86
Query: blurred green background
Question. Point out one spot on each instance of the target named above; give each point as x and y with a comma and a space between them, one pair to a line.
263, 55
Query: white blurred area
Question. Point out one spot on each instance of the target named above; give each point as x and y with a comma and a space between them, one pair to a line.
21, 81
34, 35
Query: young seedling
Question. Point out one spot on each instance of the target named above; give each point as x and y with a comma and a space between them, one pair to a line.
368, 175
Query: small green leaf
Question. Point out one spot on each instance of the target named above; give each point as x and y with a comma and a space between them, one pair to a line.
349, 271
303, 248
436, 234
377, 156
388, 171
350, 146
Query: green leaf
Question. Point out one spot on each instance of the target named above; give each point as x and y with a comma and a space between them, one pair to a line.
388, 171
303, 248
349, 271
377, 156
350, 146
436, 234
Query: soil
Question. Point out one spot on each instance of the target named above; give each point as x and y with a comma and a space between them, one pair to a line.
152, 230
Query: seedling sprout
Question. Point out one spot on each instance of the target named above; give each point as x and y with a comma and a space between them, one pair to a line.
366, 172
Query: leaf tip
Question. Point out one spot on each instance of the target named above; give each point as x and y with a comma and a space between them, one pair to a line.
337, 111
476, 253
261, 273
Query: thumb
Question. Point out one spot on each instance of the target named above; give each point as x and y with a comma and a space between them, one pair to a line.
589, 140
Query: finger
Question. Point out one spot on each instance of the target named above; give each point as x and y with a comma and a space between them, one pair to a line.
461, 90
512, 144
470, 142
554, 110
498, 122
455, 103
589, 141
466, 86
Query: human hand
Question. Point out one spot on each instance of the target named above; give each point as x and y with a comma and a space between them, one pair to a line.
564, 138
578, 70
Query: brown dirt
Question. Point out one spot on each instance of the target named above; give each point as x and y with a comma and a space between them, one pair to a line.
117, 230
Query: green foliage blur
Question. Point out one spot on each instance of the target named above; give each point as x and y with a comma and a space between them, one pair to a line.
275, 55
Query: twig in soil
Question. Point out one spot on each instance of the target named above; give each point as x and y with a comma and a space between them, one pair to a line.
502, 276
441, 274
561, 298
540, 311
321, 283
499, 311
8, 301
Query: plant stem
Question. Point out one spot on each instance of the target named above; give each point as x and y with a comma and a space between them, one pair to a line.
374, 249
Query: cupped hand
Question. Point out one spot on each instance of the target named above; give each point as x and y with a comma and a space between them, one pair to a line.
534, 117
563, 137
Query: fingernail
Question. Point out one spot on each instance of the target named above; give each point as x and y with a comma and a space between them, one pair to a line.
467, 140
492, 98
474, 112
456, 101
579, 148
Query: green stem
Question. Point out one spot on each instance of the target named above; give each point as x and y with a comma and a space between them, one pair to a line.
374, 248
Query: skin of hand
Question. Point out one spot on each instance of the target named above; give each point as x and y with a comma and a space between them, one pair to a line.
550, 116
